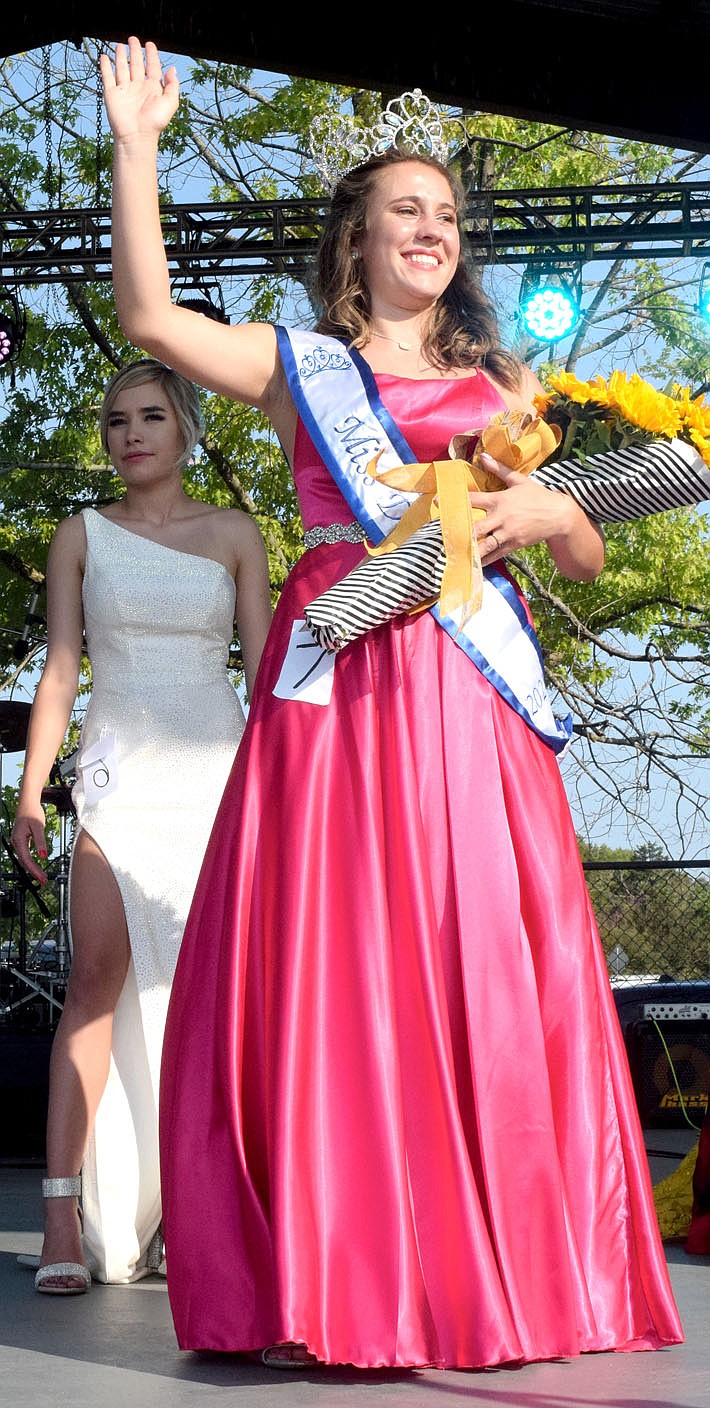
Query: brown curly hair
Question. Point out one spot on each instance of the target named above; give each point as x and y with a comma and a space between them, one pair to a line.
463, 331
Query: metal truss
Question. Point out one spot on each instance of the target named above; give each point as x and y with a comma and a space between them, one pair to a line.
208, 241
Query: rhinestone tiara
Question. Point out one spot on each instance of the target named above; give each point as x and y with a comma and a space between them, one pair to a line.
338, 143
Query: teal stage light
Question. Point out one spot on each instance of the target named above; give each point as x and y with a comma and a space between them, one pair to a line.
549, 302
704, 294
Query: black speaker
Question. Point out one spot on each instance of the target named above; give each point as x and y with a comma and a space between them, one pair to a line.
24, 1082
670, 1068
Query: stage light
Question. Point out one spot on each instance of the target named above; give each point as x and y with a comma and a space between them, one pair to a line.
703, 305
201, 298
13, 323
7, 339
549, 301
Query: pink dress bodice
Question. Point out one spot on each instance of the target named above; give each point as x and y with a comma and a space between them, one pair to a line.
428, 413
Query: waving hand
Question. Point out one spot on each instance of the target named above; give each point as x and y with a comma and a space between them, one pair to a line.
140, 99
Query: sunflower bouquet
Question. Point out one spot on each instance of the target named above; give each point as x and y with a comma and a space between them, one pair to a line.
600, 415
622, 449
626, 449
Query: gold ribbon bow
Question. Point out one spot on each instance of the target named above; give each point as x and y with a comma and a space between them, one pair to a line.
516, 439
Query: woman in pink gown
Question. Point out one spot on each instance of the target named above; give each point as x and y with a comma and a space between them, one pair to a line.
397, 1122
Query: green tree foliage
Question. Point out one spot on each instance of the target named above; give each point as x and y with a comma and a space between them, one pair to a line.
628, 654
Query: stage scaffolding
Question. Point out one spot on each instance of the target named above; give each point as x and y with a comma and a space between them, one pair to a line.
279, 237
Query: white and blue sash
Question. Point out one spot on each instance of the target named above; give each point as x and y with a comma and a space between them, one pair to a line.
335, 393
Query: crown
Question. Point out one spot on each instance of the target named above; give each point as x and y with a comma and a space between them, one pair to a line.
338, 143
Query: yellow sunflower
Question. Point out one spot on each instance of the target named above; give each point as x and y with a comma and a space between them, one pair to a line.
622, 410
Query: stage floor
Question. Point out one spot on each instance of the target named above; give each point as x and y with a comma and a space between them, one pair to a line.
116, 1347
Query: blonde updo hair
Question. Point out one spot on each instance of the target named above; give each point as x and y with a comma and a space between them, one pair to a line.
182, 395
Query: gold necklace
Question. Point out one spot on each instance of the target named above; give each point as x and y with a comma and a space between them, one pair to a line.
403, 346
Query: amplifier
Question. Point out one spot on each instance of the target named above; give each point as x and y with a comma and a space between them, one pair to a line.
669, 1057
664, 998
676, 1011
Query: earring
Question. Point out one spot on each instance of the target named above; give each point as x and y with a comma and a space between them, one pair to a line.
356, 254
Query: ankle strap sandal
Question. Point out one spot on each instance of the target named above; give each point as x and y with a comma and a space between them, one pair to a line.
62, 1270
61, 1187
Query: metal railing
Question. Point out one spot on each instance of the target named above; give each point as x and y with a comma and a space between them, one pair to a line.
528, 226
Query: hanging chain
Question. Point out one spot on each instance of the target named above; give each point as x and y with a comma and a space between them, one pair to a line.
99, 120
49, 168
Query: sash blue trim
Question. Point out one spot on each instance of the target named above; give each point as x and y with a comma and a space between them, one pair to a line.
358, 437
379, 409
506, 588
536, 702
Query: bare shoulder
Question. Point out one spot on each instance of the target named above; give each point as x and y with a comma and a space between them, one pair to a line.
69, 538
231, 535
531, 385
229, 521
520, 398
239, 526
249, 369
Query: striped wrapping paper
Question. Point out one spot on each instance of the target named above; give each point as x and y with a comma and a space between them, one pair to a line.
614, 487
621, 485
379, 589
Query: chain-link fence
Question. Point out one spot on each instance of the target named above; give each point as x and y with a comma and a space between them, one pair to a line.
653, 917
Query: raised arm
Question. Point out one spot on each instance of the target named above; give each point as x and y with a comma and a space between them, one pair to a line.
240, 362
56, 691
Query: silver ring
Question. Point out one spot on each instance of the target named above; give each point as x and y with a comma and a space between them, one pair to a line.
495, 540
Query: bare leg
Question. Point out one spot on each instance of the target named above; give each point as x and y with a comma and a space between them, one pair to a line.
81, 1047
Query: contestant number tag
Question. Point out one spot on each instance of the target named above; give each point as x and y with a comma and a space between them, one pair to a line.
307, 671
99, 770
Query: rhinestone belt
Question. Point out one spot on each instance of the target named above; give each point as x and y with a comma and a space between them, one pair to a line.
334, 533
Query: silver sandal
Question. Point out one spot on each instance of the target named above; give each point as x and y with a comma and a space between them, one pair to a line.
62, 1188
288, 1355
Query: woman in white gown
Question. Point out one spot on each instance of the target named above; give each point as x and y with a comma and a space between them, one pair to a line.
156, 582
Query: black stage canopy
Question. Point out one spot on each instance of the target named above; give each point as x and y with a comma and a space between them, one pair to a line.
637, 68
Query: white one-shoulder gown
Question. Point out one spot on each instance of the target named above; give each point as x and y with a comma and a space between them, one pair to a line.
158, 739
